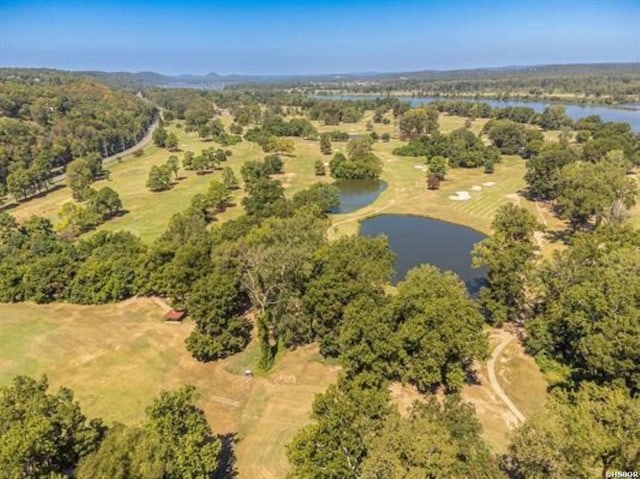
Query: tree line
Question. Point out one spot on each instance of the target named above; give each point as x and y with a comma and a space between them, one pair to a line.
46, 434
47, 120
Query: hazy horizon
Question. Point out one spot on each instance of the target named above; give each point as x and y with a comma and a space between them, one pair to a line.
289, 37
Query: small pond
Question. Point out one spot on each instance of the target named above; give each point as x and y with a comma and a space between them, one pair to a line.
355, 194
417, 240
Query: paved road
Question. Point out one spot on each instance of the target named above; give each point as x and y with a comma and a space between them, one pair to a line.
110, 159
493, 380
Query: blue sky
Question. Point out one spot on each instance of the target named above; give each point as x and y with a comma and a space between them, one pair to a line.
324, 36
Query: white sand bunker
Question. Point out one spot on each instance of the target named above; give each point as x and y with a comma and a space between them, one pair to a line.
476, 188
421, 167
489, 183
460, 196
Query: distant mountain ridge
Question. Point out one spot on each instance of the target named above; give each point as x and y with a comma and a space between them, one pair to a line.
215, 80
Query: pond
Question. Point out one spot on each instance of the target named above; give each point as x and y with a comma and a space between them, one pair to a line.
355, 194
629, 113
417, 240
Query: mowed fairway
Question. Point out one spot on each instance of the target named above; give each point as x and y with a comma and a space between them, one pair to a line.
148, 213
118, 357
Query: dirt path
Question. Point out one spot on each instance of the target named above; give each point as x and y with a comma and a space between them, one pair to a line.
493, 380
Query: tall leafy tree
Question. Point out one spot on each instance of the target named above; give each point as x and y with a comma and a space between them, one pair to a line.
194, 451
601, 190
587, 313
343, 270
159, 178
509, 254
79, 178
42, 434
419, 121
434, 441
346, 419
216, 303
582, 434
439, 329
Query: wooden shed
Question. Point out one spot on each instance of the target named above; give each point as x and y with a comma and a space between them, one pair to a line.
175, 316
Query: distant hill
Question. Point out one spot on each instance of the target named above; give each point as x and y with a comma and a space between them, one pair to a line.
217, 81
214, 80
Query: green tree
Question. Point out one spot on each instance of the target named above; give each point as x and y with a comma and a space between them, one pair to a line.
217, 196
581, 434
543, 171
95, 165
319, 168
171, 142
160, 137
187, 161
126, 452
105, 203
194, 451
265, 198
79, 178
346, 419
586, 316
509, 254
42, 434
325, 144
434, 441
554, 118
344, 270
369, 347
437, 167
273, 165
229, 179
251, 171
509, 137
75, 219
358, 166
20, 183
173, 164
439, 329
322, 196
601, 190
159, 178
275, 267
419, 121
216, 303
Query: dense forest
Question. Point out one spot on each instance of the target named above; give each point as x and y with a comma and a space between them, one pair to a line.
274, 270
48, 119
598, 83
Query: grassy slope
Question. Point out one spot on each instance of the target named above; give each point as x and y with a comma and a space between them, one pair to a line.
118, 357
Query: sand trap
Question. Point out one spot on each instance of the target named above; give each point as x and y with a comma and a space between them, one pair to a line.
489, 183
460, 196
421, 167
476, 188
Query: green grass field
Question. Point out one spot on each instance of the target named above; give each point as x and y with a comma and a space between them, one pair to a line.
117, 357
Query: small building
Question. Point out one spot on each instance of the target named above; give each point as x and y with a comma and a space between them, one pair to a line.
175, 316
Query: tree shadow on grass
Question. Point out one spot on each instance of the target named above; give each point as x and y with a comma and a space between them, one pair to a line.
228, 465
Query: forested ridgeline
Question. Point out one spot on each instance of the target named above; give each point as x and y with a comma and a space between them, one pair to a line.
48, 119
597, 83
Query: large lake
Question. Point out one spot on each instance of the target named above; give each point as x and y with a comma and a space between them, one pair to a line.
355, 194
417, 240
625, 114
